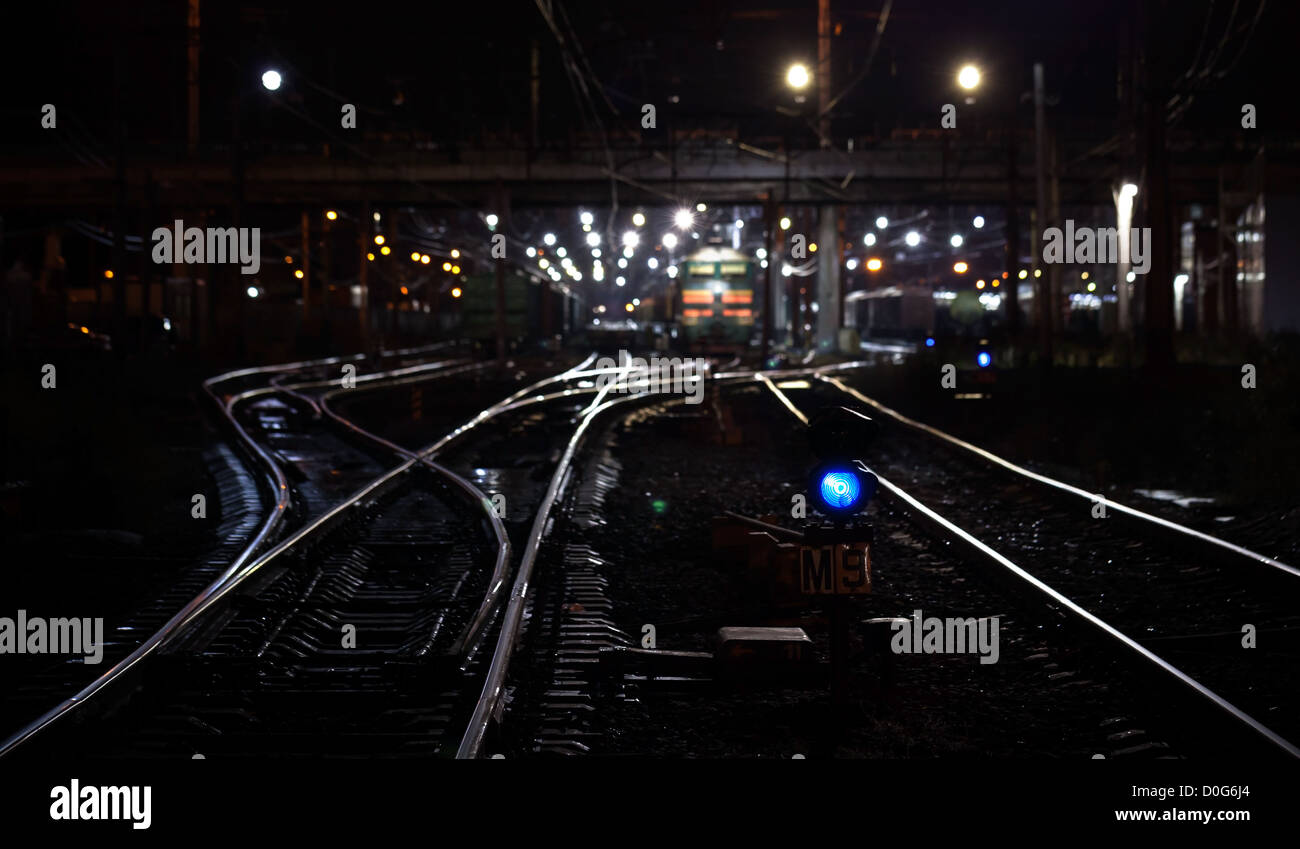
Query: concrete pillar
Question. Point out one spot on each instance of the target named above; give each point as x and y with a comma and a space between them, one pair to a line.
828, 279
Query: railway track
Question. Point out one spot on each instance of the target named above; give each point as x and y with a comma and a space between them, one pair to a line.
254, 671
244, 531
407, 612
610, 568
1138, 586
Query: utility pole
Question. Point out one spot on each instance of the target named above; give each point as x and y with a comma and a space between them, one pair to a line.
500, 267
1043, 297
824, 70
363, 274
769, 225
192, 75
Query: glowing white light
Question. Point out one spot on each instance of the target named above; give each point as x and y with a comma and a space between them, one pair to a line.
882, 222
851, 264
912, 238
622, 262
672, 271
739, 223
956, 240
968, 77
595, 252
797, 76
700, 207
621, 281
786, 271
561, 252
1128, 190
491, 220
638, 219
271, 80
670, 240
683, 219
978, 222
631, 239
252, 290
532, 251
549, 239
869, 239
761, 253
593, 239
586, 218
652, 262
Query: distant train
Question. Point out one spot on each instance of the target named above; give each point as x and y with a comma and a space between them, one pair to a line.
717, 299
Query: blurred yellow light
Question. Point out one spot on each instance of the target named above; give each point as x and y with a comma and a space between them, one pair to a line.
379, 239
1023, 274
455, 293
288, 259
331, 215
1038, 272
298, 274
385, 250
874, 264
797, 76
979, 284
1085, 275
785, 223
813, 247
370, 257
628, 307
997, 283
424, 258
446, 266
405, 291
455, 269
108, 273
968, 77
415, 256
455, 254
85, 329
960, 267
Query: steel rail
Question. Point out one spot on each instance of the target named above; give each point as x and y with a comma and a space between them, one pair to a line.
1254, 556
238, 569
489, 701
1136, 649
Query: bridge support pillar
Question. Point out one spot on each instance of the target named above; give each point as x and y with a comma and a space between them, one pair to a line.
829, 280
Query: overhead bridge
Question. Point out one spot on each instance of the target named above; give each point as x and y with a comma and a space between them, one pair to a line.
926, 170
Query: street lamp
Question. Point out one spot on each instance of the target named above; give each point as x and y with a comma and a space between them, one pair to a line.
271, 80
798, 77
968, 77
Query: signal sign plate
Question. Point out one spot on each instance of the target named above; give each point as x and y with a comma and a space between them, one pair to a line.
838, 569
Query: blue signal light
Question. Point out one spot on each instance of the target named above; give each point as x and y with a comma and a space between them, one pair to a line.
983, 359
929, 341
840, 490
